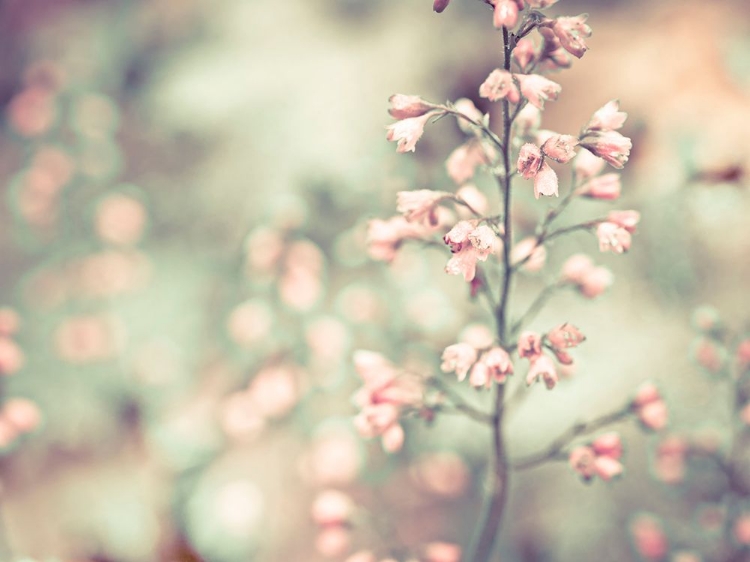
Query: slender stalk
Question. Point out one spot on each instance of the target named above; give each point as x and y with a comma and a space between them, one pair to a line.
489, 524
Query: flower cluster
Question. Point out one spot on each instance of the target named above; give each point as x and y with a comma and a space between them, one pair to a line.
600, 458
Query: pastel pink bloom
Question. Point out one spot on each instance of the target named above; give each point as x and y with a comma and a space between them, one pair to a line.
607, 118
524, 52
458, 358
576, 267
545, 182
608, 445
560, 148
625, 219
442, 552
419, 205
438, 6
745, 414
376, 419
601, 458
506, 13
384, 237
466, 107
542, 367
499, 363
469, 244
613, 237
709, 354
538, 89
581, 459
649, 538
463, 161
553, 55
529, 345
530, 160
383, 383
407, 132
607, 468
500, 85
606, 187
333, 542
332, 507
475, 198
11, 357
741, 529
650, 407
480, 375
565, 336
530, 253
405, 107
742, 354
393, 438
120, 220
9, 322
590, 280
586, 165
571, 31
374, 369
611, 146
23, 414
670, 459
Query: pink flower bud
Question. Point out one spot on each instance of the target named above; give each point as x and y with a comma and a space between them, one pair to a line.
384, 237
560, 148
530, 160
611, 146
565, 336
545, 182
404, 107
649, 538
499, 85
670, 459
576, 268
571, 31
607, 118
625, 219
538, 89
542, 367
606, 187
22, 413
581, 459
607, 468
505, 14
529, 345
440, 5
416, 206
458, 358
332, 507
613, 238
407, 132
709, 355
608, 445
524, 52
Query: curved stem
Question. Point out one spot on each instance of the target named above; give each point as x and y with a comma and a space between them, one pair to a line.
494, 506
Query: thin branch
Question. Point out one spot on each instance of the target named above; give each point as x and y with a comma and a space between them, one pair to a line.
555, 449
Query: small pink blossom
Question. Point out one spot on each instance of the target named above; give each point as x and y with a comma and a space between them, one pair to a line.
529, 345
649, 538
590, 280
607, 468
529, 119
709, 354
407, 132
506, 13
670, 459
530, 253
458, 358
464, 161
419, 205
545, 182
499, 363
609, 445
384, 237
571, 31
538, 89
466, 107
542, 367
405, 107
524, 52
625, 219
741, 529
393, 438
581, 459
500, 85
601, 458
607, 118
650, 407
586, 165
474, 197
611, 146
553, 55
613, 237
23, 414
606, 187
480, 375
11, 357
565, 336
440, 5
530, 160
469, 244
560, 148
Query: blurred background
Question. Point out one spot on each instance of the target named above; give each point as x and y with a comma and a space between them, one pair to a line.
183, 273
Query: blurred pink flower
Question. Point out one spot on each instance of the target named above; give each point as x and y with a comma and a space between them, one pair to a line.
586, 165
611, 146
500, 85
458, 358
741, 529
625, 219
442, 552
469, 243
613, 237
506, 13
530, 160
560, 148
332, 507
542, 367
9, 322
11, 357
649, 538
529, 345
571, 31
538, 89
564, 337
419, 205
464, 160
600, 458
333, 542
407, 132
499, 363
23, 414
524, 52
405, 107
607, 118
606, 187
650, 407
384, 237
529, 252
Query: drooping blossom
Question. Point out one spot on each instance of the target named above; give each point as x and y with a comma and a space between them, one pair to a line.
571, 31
384, 237
600, 458
464, 160
538, 89
458, 358
500, 85
506, 13
545, 182
529, 253
531, 164
625, 219
610, 146
562, 338
332, 511
606, 187
607, 118
529, 345
407, 132
560, 148
650, 407
613, 237
405, 106
553, 56
499, 363
541, 367
469, 243
420, 205
589, 279
524, 52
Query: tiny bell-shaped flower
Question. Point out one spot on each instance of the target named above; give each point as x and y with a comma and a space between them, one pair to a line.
610, 146
538, 89
606, 187
607, 118
571, 31
420, 205
500, 85
560, 148
407, 132
542, 367
404, 106
506, 13
458, 358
